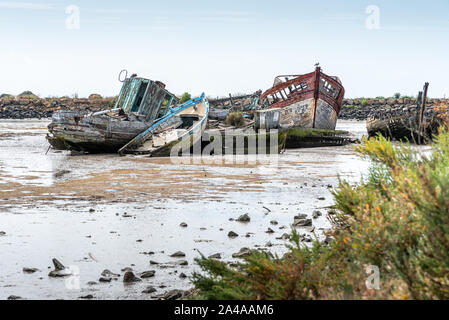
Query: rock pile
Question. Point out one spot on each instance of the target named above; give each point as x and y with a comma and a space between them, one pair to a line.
27, 107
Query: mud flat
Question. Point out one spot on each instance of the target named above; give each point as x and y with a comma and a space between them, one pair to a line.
97, 212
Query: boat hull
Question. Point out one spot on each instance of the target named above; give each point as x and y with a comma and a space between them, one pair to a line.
309, 114
71, 130
311, 101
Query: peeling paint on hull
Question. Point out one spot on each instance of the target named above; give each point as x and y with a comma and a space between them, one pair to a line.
307, 101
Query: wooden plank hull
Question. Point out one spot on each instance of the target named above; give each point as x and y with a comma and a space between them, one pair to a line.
71, 130
309, 114
310, 101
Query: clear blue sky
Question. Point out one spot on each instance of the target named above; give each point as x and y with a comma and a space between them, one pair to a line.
222, 47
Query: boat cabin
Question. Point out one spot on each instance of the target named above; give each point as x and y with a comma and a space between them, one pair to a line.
147, 99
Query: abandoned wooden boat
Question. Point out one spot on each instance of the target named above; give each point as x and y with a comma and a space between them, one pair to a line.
311, 100
170, 136
141, 103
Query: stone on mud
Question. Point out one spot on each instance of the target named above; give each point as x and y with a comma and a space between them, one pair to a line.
178, 254
129, 277
244, 218
147, 274
244, 252
232, 234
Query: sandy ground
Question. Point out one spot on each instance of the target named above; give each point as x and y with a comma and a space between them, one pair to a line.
96, 212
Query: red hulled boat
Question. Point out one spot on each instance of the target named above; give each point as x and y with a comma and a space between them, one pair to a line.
311, 100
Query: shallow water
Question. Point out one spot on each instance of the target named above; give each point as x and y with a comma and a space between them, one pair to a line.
45, 202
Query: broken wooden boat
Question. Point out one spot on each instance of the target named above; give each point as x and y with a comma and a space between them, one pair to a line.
141, 103
310, 101
413, 123
179, 133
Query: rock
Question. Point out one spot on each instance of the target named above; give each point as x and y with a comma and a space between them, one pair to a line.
105, 279
244, 218
316, 214
305, 238
269, 244
180, 263
174, 295
178, 254
154, 262
274, 222
244, 252
232, 234
92, 283
30, 270
129, 277
59, 271
215, 256
285, 236
182, 276
2, 233
183, 225
302, 223
91, 210
14, 298
88, 297
321, 198
149, 290
108, 274
147, 274
300, 216
269, 230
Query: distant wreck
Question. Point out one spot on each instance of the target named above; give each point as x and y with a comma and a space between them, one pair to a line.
415, 123
143, 107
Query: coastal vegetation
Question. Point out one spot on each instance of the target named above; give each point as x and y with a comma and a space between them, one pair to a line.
396, 220
186, 97
235, 119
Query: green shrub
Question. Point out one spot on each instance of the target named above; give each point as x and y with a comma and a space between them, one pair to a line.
397, 95
235, 119
397, 218
364, 103
185, 97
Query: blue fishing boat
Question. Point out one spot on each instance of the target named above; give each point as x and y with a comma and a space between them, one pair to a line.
182, 128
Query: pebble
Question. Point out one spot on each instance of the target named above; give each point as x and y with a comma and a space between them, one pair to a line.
30, 270
215, 256
178, 254
129, 277
274, 222
269, 230
302, 223
147, 274
244, 218
242, 253
232, 234
59, 271
149, 290
316, 214
183, 225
